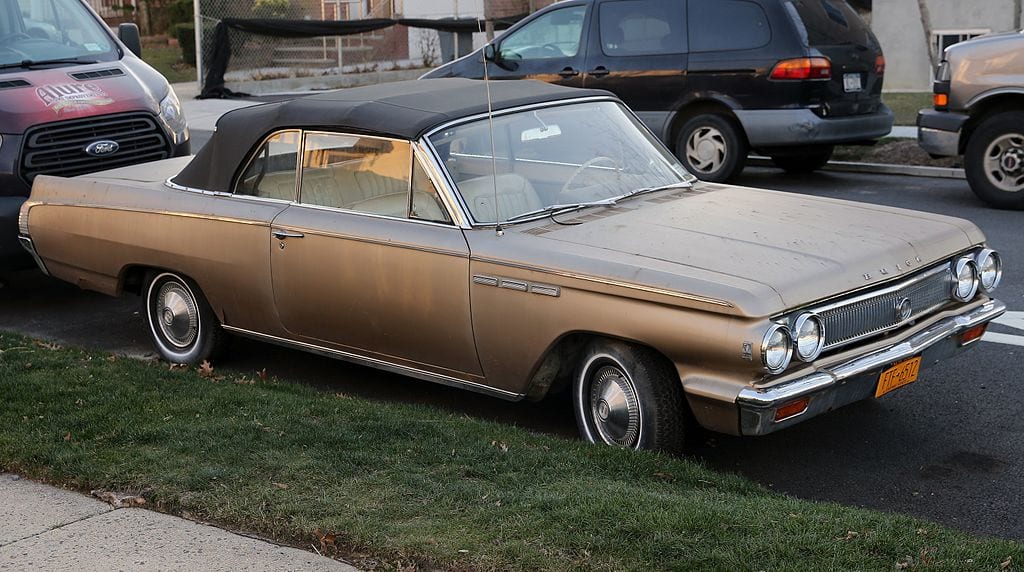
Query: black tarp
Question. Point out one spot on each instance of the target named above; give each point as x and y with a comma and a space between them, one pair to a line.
213, 85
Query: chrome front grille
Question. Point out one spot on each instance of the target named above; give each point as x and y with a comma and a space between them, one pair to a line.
59, 148
874, 312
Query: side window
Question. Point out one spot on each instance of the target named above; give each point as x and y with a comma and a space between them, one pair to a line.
553, 35
364, 174
271, 172
717, 25
426, 203
642, 27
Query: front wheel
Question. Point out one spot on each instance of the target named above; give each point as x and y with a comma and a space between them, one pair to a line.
184, 327
994, 161
712, 147
628, 396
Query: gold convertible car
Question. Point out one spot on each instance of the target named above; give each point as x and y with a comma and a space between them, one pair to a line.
550, 244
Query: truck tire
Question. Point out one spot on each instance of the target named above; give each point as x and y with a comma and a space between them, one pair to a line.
994, 160
712, 147
804, 162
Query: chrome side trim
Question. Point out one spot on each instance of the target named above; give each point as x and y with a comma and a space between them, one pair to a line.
26, 243
607, 282
380, 241
760, 402
160, 212
379, 364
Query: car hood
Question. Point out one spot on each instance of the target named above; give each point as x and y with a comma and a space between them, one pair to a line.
54, 95
761, 251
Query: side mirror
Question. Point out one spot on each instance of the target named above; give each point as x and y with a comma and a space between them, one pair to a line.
129, 36
493, 54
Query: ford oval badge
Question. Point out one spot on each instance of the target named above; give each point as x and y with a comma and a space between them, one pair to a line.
102, 148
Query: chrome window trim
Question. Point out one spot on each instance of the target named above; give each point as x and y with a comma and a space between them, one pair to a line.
380, 364
426, 161
171, 184
372, 215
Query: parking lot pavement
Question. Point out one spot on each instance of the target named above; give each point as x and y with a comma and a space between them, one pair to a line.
46, 528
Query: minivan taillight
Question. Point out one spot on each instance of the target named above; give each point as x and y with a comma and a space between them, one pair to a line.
879, 64
803, 68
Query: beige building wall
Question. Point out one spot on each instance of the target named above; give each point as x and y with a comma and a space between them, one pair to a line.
898, 26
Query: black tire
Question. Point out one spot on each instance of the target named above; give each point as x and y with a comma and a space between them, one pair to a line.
184, 327
994, 160
652, 411
712, 147
804, 162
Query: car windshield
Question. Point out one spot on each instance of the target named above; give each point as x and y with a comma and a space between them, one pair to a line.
551, 158
46, 30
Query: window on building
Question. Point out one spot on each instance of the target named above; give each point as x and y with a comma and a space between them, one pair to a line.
943, 39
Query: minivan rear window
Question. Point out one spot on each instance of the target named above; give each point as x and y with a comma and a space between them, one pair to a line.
642, 27
832, 23
727, 25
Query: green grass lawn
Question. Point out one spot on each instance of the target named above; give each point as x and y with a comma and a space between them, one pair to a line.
403, 484
905, 105
167, 60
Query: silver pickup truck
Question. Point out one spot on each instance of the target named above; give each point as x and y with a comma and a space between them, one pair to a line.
979, 113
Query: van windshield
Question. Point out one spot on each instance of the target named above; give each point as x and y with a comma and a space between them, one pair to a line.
43, 30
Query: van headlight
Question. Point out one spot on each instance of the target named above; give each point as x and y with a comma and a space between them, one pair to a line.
965, 279
776, 348
173, 117
808, 336
990, 269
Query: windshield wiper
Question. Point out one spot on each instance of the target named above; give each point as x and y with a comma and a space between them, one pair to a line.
552, 210
645, 190
33, 63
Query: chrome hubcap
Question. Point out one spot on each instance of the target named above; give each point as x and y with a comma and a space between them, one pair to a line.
179, 316
706, 150
1004, 163
615, 408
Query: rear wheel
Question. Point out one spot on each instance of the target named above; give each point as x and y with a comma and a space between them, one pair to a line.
804, 162
628, 396
184, 327
712, 147
994, 161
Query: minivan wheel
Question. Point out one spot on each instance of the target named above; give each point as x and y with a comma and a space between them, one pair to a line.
994, 161
712, 147
628, 396
184, 327
805, 162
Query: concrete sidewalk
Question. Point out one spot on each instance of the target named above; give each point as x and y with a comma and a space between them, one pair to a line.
46, 528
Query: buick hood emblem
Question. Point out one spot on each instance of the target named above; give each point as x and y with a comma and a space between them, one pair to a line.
102, 148
903, 309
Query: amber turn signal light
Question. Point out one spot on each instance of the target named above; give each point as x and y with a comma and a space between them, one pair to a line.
880, 64
973, 334
791, 409
940, 100
803, 68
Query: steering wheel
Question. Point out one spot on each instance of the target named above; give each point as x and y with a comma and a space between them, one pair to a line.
588, 164
15, 36
552, 49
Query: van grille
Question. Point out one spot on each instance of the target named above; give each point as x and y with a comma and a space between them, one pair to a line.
59, 148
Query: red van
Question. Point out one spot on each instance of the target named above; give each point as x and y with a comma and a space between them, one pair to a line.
74, 99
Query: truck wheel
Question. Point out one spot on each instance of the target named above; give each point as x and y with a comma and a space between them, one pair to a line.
806, 162
994, 161
184, 327
628, 396
712, 147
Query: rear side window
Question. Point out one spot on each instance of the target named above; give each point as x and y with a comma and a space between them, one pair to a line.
271, 173
642, 27
717, 25
832, 23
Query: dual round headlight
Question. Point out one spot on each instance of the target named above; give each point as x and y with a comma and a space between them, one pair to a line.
990, 269
777, 348
806, 339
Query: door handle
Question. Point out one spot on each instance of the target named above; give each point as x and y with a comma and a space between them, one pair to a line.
568, 72
599, 71
283, 234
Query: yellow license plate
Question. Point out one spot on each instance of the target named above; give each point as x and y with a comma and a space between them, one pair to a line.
903, 373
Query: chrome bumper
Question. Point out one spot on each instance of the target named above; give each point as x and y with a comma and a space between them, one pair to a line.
857, 378
26, 243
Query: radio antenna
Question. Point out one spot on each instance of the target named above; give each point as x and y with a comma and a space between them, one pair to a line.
488, 53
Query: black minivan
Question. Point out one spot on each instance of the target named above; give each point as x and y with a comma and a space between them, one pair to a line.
713, 79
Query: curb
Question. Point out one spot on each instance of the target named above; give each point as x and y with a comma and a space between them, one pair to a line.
880, 169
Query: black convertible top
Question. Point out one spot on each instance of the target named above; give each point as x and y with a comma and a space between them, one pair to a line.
404, 110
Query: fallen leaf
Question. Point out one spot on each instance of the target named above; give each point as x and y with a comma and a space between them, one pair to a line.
1006, 564
281, 486
463, 551
68, 436
850, 535
262, 374
501, 446
327, 539
206, 369
48, 345
118, 499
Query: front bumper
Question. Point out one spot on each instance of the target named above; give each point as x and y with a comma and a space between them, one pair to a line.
856, 378
785, 127
26, 243
938, 132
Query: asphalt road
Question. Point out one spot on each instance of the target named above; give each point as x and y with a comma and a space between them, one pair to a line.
947, 448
